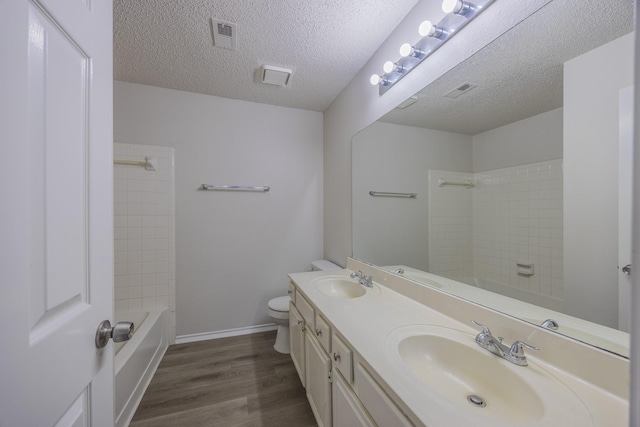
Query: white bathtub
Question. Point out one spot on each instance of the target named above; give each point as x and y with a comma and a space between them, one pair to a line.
137, 360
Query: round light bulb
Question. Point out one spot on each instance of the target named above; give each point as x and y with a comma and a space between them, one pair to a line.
388, 66
375, 80
405, 50
425, 28
449, 6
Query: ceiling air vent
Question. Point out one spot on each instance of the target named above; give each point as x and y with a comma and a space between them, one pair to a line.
460, 90
224, 34
275, 75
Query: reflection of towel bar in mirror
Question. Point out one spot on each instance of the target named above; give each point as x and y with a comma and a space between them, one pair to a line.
389, 194
207, 187
442, 182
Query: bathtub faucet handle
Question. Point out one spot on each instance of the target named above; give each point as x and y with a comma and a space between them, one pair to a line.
122, 331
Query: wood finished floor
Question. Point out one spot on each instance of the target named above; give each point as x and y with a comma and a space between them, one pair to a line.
228, 382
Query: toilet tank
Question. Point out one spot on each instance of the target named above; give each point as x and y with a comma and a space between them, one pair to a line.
324, 265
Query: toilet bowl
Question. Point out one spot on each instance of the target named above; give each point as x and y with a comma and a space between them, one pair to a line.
278, 309
279, 313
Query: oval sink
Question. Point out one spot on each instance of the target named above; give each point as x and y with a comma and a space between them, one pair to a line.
450, 363
340, 287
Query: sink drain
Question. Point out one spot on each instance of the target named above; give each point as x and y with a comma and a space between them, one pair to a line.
476, 400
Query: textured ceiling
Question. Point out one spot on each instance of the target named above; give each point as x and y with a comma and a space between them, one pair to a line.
520, 74
168, 43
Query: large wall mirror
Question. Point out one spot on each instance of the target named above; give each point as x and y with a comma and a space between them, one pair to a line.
519, 159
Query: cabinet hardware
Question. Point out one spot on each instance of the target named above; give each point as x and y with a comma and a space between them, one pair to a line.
318, 332
336, 356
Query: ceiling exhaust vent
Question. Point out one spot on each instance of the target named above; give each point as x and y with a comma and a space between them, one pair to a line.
224, 34
460, 90
275, 75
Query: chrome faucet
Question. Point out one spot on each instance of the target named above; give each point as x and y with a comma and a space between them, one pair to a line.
366, 281
514, 354
550, 324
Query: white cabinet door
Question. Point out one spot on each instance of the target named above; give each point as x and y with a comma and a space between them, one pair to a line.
56, 214
382, 409
318, 366
296, 338
347, 409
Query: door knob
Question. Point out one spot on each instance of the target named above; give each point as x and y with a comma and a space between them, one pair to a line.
627, 269
122, 331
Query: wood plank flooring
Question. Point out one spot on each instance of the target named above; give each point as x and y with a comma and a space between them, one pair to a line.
228, 382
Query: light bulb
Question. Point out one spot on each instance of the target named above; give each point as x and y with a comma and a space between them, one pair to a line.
408, 50
449, 6
459, 7
405, 50
427, 28
390, 67
375, 79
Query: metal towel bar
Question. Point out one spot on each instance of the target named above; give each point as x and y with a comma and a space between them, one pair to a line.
389, 194
149, 163
207, 187
443, 182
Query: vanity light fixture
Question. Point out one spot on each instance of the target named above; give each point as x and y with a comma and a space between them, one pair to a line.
458, 14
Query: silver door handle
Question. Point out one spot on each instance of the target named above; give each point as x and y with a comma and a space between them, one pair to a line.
627, 269
122, 331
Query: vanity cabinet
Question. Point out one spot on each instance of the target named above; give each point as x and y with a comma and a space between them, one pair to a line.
382, 409
318, 371
347, 409
310, 337
296, 338
325, 364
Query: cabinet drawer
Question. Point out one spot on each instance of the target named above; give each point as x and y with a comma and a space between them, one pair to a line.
292, 292
342, 357
323, 332
382, 409
306, 310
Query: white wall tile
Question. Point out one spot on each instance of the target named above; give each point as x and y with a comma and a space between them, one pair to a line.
511, 215
144, 224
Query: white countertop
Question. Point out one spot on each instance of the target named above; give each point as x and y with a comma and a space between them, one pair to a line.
366, 323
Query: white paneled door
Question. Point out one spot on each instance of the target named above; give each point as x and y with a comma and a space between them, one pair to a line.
55, 212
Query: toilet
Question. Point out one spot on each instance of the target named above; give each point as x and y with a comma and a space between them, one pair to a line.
279, 309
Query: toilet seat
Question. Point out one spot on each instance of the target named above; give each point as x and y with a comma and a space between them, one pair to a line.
280, 304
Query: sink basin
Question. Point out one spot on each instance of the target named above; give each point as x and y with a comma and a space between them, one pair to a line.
479, 384
340, 287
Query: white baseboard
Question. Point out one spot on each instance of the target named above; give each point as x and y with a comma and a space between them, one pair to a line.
203, 336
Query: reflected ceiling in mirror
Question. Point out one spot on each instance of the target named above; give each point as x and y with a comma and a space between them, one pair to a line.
519, 75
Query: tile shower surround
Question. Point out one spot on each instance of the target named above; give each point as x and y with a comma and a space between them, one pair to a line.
516, 216
144, 231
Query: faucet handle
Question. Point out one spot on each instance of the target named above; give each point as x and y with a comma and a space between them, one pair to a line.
485, 330
517, 350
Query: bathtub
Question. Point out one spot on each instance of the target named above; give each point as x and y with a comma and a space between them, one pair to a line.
137, 359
